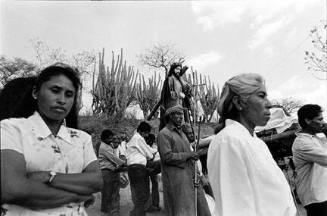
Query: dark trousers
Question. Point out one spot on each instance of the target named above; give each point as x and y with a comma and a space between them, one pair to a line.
154, 168
316, 209
140, 188
110, 192
154, 190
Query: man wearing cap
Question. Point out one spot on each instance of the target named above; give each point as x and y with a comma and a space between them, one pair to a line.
177, 162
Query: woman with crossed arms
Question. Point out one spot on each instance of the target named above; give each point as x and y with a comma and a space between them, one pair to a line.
48, 167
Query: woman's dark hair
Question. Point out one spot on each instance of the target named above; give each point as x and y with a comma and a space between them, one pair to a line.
72, 74
144, 127
16, 99
172, 68
106, 133
308, 111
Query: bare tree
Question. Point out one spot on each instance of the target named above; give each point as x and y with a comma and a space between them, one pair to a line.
290, 104
46, 55
161, 56
13, 68
317, 60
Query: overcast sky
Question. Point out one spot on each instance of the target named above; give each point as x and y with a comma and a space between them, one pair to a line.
219, 38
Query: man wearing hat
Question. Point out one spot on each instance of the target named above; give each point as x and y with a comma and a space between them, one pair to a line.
177, 162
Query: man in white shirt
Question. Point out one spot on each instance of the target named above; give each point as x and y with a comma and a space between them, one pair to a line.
137, 155
310, 160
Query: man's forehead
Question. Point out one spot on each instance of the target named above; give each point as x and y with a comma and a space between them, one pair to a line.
178, 112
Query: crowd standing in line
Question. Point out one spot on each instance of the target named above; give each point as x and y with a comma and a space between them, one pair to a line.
48, 166
310, 160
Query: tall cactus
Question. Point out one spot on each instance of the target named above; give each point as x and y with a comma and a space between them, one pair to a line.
206, 92
114, 88
148, 94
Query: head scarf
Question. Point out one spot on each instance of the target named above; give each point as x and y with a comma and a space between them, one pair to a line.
242, 85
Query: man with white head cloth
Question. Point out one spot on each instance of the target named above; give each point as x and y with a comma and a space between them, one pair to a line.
245, 179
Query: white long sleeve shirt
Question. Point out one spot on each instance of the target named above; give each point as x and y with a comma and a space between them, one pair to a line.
310, 160
245, 179
138, 152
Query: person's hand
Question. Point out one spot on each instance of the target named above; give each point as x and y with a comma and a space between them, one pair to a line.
173, 95
89, 202
182, 95
122, 168
202, 151
204, 180
40, 176
184, 69
194, 156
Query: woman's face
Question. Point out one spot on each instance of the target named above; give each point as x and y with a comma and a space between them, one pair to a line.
55, 98
177, 70
256, 110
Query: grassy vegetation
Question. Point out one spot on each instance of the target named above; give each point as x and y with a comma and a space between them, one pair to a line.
94, 126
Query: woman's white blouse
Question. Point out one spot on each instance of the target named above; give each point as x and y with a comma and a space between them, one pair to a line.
245, 179
69, 152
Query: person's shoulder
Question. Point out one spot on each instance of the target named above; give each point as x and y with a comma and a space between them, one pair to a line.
164, 131
231, 136
303, 141
77, 133
14, 122
103, 146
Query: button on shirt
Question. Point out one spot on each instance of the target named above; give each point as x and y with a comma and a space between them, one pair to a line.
138, 151
245, 179
68, 152
310, 160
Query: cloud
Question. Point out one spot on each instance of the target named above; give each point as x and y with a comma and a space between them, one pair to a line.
264, 17
263, 33
211, 14
217, 13
305, 88
200, 62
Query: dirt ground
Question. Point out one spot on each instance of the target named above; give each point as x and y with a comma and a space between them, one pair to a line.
126, 204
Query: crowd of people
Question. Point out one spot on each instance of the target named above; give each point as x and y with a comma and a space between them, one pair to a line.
49, 166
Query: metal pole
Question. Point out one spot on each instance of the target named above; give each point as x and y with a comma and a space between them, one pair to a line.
196, 181
195, 148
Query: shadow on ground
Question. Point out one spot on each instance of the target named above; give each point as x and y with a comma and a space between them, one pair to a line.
126, 204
